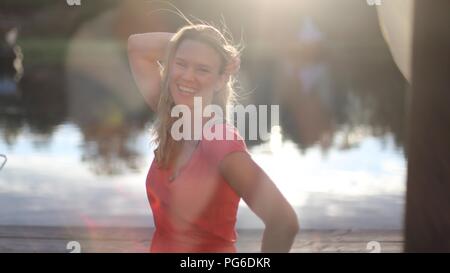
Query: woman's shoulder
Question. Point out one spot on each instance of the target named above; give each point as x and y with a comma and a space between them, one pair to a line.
222, 132
223, 139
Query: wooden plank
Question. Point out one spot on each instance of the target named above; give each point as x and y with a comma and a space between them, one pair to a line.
101, 239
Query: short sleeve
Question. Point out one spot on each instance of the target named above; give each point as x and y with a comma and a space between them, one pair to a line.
216, 149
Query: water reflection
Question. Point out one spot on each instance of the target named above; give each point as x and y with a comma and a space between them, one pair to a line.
4, 158
53, 187
76, 109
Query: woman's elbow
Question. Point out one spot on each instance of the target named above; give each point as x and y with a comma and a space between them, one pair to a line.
290, 221
287, 224
292, 225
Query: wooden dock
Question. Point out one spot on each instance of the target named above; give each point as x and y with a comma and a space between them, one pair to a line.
102, 239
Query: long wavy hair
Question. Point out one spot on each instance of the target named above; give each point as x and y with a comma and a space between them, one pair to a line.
167, 147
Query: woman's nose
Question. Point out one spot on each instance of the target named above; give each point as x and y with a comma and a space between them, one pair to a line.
188, 74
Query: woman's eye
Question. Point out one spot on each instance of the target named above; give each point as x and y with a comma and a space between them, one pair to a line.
203, 70
181, 64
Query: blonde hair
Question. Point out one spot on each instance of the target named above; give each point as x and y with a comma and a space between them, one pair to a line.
168, 148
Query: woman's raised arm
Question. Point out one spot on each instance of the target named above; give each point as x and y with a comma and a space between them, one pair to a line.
264, 199
144, 52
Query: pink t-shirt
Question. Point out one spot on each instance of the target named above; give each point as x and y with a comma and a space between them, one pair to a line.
196, 212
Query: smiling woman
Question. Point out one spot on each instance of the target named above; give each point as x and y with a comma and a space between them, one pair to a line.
194, 186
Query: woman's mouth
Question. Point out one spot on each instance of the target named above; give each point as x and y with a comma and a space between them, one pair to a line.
186, 90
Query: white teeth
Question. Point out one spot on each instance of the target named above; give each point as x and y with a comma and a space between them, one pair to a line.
186, 89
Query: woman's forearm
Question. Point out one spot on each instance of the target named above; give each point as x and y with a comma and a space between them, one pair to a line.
151, 45
144, 52
278, 238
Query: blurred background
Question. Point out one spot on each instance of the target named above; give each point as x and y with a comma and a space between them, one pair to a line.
75, 129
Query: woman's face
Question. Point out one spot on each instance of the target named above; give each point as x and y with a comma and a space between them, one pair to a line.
194, 72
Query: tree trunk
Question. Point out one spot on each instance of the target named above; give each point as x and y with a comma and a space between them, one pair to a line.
427, 223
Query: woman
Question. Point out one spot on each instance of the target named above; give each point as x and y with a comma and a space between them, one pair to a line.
194, 186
